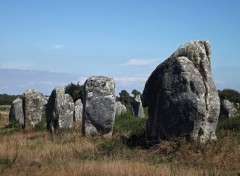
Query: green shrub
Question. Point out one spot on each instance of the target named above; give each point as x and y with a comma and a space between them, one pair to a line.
4, 161
12, 128
129, 125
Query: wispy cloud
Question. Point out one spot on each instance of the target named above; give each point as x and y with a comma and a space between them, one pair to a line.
130, 80
220, 82
17, 65
141, 62
59, 46
130, 83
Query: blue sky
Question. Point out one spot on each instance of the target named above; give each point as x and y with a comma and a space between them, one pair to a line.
46, 43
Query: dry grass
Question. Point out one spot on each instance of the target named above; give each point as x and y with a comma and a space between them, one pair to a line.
39, 153
68, 153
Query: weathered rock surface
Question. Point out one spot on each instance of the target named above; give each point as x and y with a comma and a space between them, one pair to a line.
99, 106
228, 109
60, 109
33, 108
120, 108
78, 110
137, 107
16, 112
181, 96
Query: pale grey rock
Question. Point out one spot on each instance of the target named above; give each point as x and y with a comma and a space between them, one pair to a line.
99, 106
181, 97
120, 108
137, 107
16, 112
45, 100
33, 108
78, 110
60, 110
228, 109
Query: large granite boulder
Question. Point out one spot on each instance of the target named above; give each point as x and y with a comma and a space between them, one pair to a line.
137, 107
228, 109
78, 111
181, 96
99, 106
33, 108
60, 109
16, 112
120, 109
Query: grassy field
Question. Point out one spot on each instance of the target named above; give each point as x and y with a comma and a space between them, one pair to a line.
126, 153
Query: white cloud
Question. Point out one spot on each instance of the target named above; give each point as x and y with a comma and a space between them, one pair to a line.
59, 46
140, 62
81, 80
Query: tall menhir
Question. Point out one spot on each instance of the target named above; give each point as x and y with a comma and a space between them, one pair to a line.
181, 97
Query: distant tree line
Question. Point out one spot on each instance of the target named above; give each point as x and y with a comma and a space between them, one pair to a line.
6, 99
229, 94
77, 91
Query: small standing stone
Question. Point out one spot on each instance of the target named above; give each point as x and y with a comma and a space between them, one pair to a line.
78, 110
60, 109
120, 108
33, 107
137, 107
16, 112
228, 109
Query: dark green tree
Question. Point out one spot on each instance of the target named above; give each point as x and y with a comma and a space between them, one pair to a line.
135, 92
229, 94
75, 90
124, 97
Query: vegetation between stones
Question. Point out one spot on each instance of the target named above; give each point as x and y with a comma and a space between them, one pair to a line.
126, 153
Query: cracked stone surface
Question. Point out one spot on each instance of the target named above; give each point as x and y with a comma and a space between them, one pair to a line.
99, 106
181, 97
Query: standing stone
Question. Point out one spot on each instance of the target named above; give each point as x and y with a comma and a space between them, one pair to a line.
33, 107
120, 108
228, 109
181, 96
60, 109
78, 110
99, 106
137, 107
16, 112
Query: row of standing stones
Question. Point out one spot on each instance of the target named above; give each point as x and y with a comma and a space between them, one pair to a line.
61, 111
180, 94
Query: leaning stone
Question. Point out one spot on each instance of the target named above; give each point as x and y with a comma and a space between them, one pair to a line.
137, 107
78, 110
181, 97
33, 107
99, 106
16, 112
60, 109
